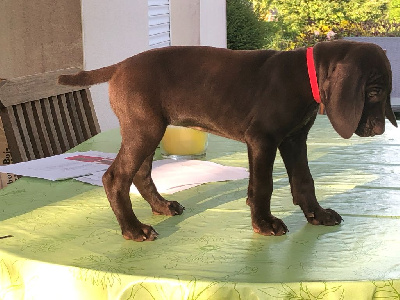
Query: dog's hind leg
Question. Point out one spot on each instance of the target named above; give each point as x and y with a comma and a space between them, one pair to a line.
136, 146
145, 185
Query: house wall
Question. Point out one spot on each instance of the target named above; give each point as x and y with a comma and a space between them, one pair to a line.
107, 41
198, 22
185, 22
213, 23
39, 36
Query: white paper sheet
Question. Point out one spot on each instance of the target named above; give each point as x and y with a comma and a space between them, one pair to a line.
63, 166
169, 175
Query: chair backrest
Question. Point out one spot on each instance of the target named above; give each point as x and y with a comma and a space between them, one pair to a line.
42, 118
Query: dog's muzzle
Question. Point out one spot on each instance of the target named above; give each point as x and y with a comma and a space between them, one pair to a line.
370, 127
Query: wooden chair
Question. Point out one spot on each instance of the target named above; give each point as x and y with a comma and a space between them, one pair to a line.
42, 118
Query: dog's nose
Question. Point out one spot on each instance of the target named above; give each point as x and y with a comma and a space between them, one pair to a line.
378, 127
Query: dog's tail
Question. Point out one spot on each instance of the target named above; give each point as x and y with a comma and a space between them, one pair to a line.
85, 78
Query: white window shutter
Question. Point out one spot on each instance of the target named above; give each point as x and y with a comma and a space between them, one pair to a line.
159, 24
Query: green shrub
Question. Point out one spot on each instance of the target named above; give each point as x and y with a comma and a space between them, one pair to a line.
304, 22
244, 29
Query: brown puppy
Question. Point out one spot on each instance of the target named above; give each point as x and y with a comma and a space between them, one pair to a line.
262, 98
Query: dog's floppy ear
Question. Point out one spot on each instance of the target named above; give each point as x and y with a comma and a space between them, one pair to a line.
389, 113
343, 97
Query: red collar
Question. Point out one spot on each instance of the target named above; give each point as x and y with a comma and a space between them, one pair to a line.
312, 74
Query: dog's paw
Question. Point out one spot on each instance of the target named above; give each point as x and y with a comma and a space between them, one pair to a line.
270, 226
140, 234
327, 217
169, 208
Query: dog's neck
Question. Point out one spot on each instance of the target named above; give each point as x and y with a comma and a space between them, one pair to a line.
312, 75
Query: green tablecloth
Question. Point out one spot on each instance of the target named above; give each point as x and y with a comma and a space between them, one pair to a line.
66, 242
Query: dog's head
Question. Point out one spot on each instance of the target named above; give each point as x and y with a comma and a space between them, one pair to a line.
355, 81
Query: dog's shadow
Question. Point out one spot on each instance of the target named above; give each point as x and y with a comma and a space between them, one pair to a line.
196, 201
226, 200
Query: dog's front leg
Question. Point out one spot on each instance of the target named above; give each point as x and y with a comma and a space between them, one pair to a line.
293, 150
261, 159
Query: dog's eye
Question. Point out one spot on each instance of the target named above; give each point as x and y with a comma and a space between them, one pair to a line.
374, 93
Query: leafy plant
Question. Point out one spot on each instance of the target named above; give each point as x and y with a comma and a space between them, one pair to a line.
245, 31
292, 24
394, 10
